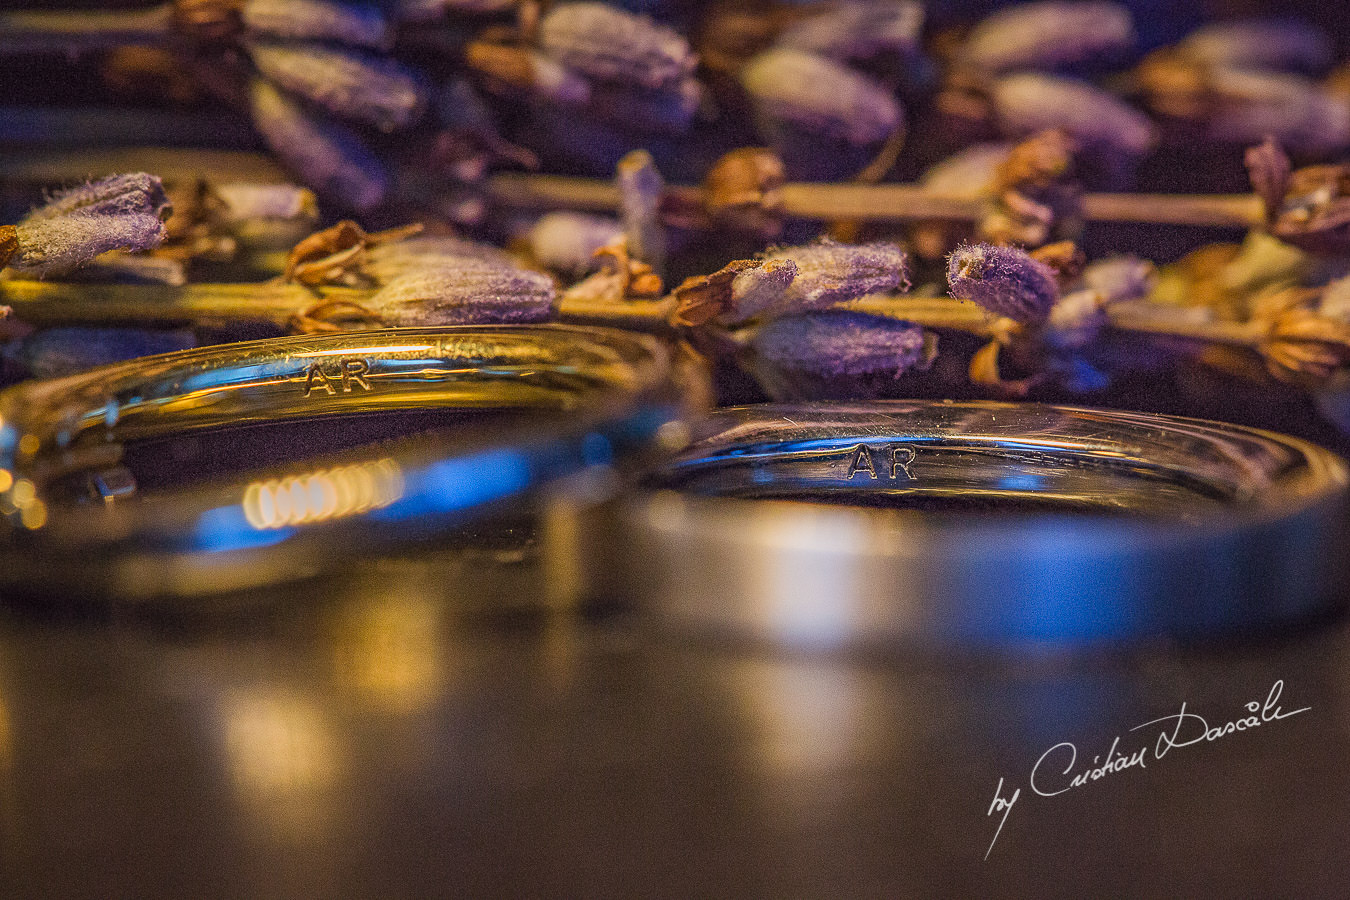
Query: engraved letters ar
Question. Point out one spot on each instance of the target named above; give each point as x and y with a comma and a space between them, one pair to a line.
347, 374
888, 463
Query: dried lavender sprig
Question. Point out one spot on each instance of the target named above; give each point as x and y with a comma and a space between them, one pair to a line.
124, 212
467, 293
820, 96
316, 20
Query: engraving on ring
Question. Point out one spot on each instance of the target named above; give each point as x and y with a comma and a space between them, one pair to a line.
897, 462
350, 372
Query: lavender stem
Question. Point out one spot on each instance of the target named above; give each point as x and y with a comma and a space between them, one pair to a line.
69, 32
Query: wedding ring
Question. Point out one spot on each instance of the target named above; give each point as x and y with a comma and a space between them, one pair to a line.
598, 400
983, 523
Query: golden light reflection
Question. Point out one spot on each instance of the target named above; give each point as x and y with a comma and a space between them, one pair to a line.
390, 652
283, 761
803, 715
321, 495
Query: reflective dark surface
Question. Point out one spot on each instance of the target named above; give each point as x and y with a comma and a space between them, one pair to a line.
396, 734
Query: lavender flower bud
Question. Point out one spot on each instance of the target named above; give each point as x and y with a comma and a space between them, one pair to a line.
1119, 278
1294, 110
833, 344
1004, 280
1273, 44
135, 193
860, 29
124, 212
759, 288
1030, 103
566, 241
469, 293
611, 45
819, 96
385, 262
829, 273
640, 189
316, 20
54, 352
1049, 35
328, 156
351, 84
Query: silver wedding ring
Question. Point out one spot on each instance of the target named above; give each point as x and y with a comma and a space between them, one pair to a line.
936, 523
598, 401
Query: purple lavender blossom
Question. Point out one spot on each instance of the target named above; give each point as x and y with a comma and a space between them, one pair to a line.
350, 84
385, 262
819, 96
1029, 103
136, 192
841, 343
1048, 35
1284, 45
1004, 280
860, 29
611, 45
124, 212
760, 288
1296, 111
328, 156
316, 20
830, 273
468, 293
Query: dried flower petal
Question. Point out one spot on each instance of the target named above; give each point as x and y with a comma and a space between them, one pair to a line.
316, 20
612, 45
1028, 103
969, 173
124, 212
1315, 212
741, 191
54, 352
467, 293
566, 242
1076, 320
820, 96
1120, 278
242, 202
830, 273
842, 343
1049, 35
1004, 280
350, 84
859, 29
325, 155
527, 71
1271, 44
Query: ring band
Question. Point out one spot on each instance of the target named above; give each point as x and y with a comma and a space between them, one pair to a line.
1132, 525
616, 394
